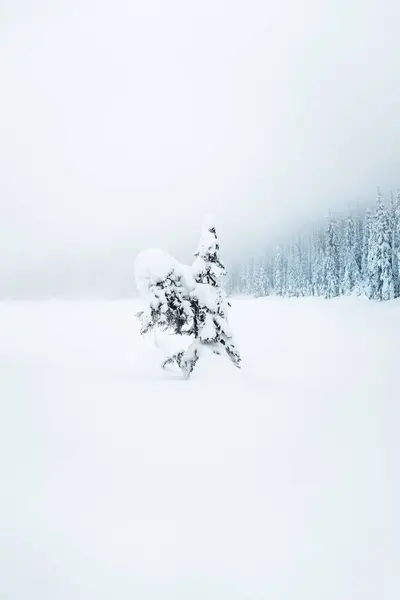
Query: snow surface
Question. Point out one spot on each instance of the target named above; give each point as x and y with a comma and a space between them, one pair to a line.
278, 481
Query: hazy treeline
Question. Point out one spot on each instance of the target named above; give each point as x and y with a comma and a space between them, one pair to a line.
357, 252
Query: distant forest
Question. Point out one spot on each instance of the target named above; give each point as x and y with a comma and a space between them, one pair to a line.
353, 253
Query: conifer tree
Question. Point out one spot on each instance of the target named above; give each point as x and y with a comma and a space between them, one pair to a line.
245, 278
317, 265
210, 307
366, 254
306, 270
358, 220
395, 239
211, 300
351, 276
259, 277
279, 272
295, 274
382, 287
341, 227
331, 260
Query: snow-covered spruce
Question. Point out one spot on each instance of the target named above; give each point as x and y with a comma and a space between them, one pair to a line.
331, 260
210, 298
351, 273
382, 284
187, 300
279, 271
366, 253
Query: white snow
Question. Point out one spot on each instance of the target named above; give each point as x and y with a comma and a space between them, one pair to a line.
279, 481
154, 265
208, 330
151, 266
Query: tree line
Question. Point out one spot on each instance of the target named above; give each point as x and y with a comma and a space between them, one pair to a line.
357, 253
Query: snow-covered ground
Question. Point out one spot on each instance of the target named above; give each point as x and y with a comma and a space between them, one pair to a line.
123, 482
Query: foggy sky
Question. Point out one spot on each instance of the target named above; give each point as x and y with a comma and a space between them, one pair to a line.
122, 123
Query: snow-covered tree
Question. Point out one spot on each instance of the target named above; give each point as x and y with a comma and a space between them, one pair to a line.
366, 253
395, 240
209, 306
358, 222
245, 278
259, 277
306, 266
210, 297
269, 276
317, 265
279, 272
295, 274
382, 285
331, 260
351, 276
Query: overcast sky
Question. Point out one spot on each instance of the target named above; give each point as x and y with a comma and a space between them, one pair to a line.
122, 123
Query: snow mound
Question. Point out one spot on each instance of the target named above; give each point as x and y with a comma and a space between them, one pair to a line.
155, 265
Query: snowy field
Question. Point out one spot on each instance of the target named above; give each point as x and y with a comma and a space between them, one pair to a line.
123, 482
